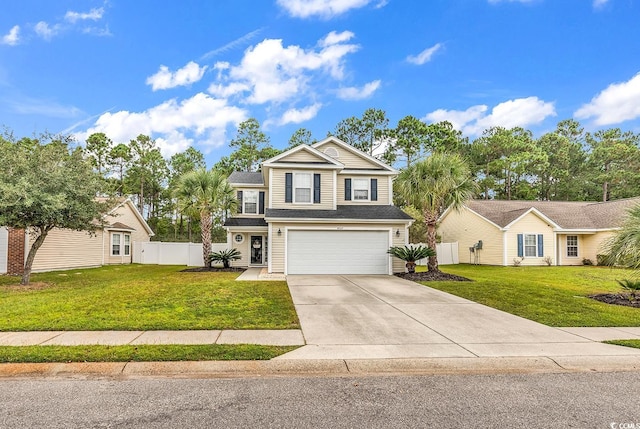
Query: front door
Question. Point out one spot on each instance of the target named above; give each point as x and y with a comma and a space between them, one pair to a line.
257, 250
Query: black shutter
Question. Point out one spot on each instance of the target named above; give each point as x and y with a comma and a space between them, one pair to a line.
520, 246
288, 187
374, 189
261, 202
347, 189
239, 201
316, 189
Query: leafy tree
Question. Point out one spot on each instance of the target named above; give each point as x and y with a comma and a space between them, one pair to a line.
146, 173
408, 142
204, 193
119, 158
45, 184
301, 136
98, 147
179, 164
561, 177
367, 133
249, 143
433, 184
623, 249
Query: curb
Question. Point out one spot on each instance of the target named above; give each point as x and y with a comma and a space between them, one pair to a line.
328, 367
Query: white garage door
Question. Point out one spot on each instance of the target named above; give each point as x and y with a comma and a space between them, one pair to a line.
337, 252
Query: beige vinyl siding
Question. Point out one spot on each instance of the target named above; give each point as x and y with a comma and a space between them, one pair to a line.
467, 228
384, 197
124, 214
302, 156
64, 249
530, 224
348, 158
592, 245
266, 201
278, 190
243, 248
278, 242
563, 259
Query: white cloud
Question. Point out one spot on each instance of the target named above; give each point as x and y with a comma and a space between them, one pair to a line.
521, 112
35, 106
200, 119
12, 38
165, 79
511, 1
296, 116
599, 3
323, 8
98, 31
233, 44
353, 93
617, 103
94, 14
272, 73
424, 56
46, 31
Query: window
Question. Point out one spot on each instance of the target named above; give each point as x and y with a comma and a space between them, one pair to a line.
239, 238
302, 188
250, 202
360, 189
572, 246
530, 245
120, 244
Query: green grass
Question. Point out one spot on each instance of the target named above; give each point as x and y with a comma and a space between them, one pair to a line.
555, 296
627, 343
141, 353
143, 297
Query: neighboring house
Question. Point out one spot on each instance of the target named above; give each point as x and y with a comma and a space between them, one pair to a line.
65, 249
532, 231
324, 208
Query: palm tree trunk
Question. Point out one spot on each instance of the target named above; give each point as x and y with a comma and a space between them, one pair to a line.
432, 263
205, 233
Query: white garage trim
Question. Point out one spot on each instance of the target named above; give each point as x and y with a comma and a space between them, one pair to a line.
383, 246
4, 249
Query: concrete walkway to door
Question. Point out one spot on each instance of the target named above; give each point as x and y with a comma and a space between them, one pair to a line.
385, 317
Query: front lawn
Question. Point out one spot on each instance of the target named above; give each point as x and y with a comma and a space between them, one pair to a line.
143, 297
555, 296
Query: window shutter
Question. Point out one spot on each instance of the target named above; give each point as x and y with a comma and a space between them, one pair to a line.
374, 189
540, 246
288, 187
240, 202
316, 188
261, 202
520, 246
347, 189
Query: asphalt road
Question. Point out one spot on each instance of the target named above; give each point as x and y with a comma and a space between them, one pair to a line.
586, 400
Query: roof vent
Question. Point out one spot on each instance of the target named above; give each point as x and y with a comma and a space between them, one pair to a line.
332, 152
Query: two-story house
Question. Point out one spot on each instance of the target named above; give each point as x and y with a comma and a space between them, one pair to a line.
320, 209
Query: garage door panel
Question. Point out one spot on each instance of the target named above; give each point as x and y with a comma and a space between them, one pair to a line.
337, 252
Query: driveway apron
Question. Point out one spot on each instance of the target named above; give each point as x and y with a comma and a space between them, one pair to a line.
374, 316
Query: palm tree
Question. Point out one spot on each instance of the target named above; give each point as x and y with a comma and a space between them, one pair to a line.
204, 193
433, 184
623, 248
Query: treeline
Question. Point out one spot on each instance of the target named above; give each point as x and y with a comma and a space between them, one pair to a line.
564, 164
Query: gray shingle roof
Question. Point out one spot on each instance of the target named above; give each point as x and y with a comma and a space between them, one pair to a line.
566, 214
343, 212
245, 178
244, 221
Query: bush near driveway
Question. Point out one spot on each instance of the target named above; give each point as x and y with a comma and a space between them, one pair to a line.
143, 297
555, 296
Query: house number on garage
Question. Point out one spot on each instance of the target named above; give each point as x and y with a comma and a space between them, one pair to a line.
339, 228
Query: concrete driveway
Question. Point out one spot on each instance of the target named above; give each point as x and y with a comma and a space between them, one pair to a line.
373, 317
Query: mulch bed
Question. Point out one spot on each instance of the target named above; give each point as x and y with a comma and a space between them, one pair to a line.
212, 270
430, 276
617, 299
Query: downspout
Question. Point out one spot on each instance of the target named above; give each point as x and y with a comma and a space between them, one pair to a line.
504, 247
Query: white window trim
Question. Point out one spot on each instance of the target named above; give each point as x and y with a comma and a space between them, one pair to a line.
576, 246
121, 244
353, 190
293, 187
524, 244
244, 201
236, 241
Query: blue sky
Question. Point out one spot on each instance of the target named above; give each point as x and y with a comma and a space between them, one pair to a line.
187, 72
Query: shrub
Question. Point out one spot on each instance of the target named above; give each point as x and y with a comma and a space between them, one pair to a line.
410, 254
548, 260
517, 262
225, 256
633, 286
587, 261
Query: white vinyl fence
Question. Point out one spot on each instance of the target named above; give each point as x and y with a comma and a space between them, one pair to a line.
447, 254
161, 253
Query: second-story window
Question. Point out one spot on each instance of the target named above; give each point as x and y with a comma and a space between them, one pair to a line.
250, 202
302, 187
360, 189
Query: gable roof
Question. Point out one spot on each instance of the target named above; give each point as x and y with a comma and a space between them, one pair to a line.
322, 158
245, 178
571, 215
135, 211
355, 151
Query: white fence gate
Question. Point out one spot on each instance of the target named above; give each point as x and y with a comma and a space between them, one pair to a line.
4, 249
161, 253
447, 254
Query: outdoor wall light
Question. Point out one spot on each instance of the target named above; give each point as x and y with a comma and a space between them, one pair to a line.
398, 232
279, 232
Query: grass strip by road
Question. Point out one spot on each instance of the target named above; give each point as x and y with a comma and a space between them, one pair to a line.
139, 353
554, 296
143, 297
626, 343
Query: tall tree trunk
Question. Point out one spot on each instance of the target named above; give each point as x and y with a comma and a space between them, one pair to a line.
605, 191
28, 264
205, 233
432, 263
